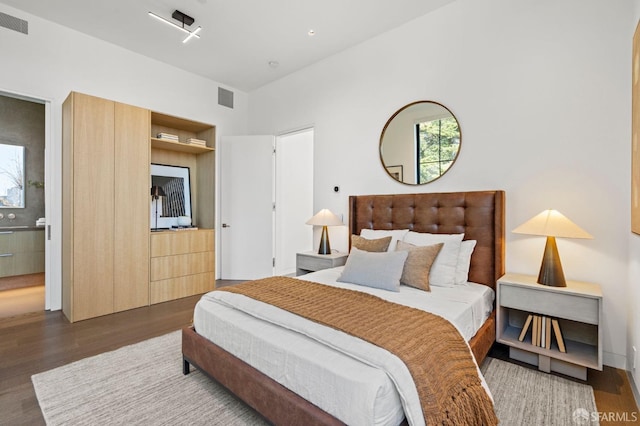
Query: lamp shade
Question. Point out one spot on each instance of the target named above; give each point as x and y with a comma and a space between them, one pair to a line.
325, 218
157, 191
552, 223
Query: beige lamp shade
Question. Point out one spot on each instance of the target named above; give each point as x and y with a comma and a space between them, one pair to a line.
551, 224
324, 218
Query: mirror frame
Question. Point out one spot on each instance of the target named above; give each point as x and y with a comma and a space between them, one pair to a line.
384, 129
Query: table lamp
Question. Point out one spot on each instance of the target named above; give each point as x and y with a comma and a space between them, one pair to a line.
551, 224
324, 218
156, 193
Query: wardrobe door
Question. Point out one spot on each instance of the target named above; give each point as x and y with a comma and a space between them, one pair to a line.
93, 208
132, 201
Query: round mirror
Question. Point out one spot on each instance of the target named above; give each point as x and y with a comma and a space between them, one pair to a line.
420, 143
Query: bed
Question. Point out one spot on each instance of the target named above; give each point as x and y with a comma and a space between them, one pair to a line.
479, 215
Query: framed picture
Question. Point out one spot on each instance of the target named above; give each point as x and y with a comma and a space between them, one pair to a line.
395, 172
172, 187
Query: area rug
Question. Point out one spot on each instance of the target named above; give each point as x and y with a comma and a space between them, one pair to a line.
523, 396
143, 384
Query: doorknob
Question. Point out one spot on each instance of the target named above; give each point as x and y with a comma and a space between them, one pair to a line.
224, 225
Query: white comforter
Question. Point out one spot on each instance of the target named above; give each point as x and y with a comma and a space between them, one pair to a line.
368, 385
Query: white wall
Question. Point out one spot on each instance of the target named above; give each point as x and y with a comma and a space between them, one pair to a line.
53, 60
634, 291
542, 93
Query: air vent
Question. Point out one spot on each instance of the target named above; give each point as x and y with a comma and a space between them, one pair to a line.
13, 23
225, 97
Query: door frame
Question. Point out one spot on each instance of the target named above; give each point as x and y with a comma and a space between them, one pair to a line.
53, 201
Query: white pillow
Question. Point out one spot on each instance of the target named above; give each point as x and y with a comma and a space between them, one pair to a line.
396, 234
443, 270
464, 261
374, 269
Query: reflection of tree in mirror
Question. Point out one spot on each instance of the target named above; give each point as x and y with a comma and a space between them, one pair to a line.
438, 145
13, 171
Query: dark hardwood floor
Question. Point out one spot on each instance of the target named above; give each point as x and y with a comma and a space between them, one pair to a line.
40, 341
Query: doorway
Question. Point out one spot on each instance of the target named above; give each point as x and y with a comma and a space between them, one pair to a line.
23, 127
266, 196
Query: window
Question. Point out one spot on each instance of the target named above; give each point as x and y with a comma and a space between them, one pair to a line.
437, 143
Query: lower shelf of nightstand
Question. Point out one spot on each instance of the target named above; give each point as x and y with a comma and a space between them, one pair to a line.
574, 362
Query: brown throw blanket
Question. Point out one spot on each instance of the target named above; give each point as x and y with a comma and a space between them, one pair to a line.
435, 353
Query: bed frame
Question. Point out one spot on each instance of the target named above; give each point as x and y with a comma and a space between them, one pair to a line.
479, 214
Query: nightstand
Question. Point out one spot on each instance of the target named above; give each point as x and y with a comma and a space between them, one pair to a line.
577, 308
311, 261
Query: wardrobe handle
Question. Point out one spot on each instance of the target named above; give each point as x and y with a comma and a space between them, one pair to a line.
6, 255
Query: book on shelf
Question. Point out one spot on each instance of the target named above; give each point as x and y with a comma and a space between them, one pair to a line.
547, 343
525, 328
534, 336
539, 336
184, 228
558, 333
543, 335
167, 136
195, 141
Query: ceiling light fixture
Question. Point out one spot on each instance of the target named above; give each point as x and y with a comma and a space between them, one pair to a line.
184, 19
311, 33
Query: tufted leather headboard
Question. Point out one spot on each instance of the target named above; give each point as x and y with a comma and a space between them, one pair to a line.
479, 215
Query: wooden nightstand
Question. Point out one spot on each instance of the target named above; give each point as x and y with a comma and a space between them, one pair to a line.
310, 261
578, 311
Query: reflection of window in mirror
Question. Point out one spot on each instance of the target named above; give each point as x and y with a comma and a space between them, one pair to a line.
437, 142
11, 176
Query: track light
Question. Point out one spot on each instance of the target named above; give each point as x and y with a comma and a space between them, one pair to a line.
184, 19
193, 34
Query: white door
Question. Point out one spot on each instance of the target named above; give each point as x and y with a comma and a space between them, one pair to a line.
246, 207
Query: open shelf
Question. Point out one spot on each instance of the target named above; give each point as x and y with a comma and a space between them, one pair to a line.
577, 353
179, 146
200, 160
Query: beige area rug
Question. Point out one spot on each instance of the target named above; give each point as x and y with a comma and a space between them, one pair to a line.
523, 396
143, 384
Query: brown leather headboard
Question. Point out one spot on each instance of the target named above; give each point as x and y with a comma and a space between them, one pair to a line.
478, 214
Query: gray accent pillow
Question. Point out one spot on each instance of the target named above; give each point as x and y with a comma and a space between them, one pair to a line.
374, 269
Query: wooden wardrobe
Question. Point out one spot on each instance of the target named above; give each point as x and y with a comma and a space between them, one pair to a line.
105, 207
108, 264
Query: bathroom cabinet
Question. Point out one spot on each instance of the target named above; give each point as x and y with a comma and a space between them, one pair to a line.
21, 252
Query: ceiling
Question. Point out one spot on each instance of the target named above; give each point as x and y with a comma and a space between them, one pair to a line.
239, 37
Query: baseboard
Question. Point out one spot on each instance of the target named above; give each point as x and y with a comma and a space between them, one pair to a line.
634, 387
614, 360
